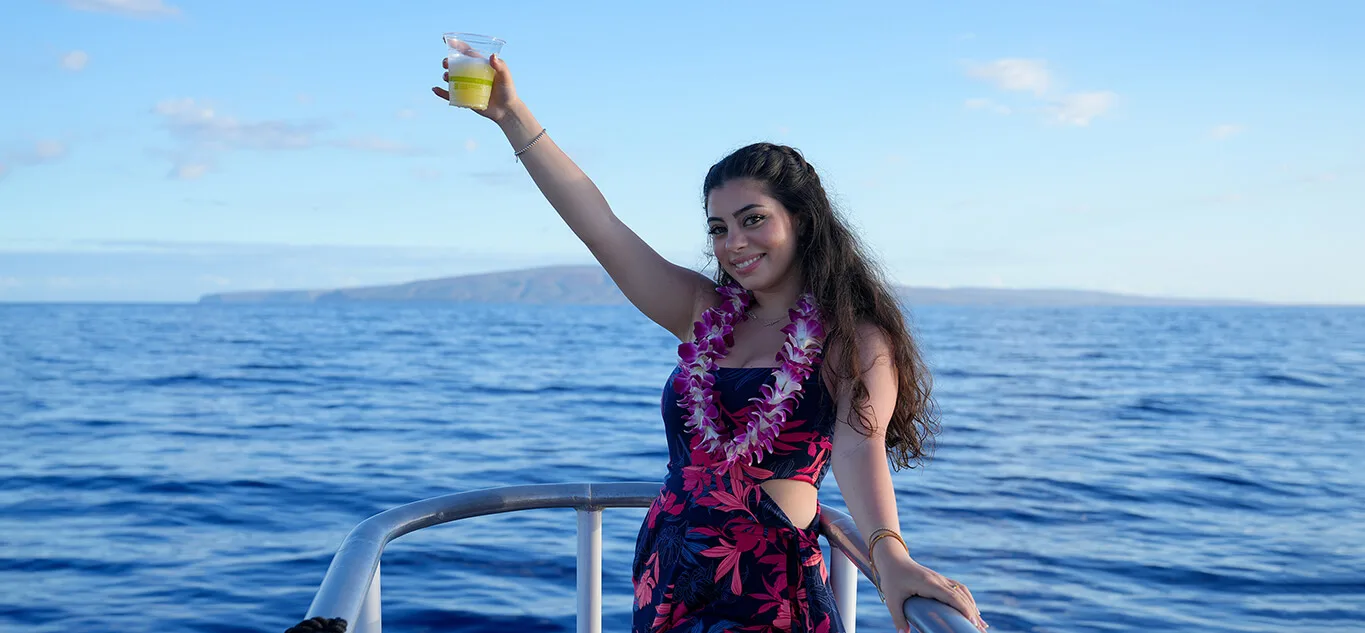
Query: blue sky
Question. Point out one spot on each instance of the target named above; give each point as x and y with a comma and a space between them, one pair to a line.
156, 150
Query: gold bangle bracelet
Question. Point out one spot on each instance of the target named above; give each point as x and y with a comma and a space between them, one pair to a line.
878, 535
882, 533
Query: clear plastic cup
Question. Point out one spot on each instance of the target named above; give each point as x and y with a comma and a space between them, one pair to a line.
471, 74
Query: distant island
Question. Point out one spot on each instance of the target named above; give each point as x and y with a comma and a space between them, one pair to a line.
590, 285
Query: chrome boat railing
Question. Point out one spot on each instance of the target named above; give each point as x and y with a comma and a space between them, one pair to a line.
351, 588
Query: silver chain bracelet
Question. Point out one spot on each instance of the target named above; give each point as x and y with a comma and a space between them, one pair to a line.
518, 154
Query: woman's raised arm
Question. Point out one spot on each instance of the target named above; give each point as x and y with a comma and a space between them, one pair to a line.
668, 294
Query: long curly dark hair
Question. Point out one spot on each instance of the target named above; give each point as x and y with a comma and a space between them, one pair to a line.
849, 289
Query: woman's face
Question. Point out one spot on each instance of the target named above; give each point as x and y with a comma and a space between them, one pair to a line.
752, 235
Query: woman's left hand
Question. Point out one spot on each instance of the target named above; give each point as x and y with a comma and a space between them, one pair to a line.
902, 578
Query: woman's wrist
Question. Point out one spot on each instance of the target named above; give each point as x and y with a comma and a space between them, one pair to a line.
517, 120
887, 550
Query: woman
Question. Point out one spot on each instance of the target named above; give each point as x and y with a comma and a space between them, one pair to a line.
731, 542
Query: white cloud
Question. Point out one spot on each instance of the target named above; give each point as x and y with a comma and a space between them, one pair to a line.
988, 105
406, 113
189, 170
381, 145
1226, 131
75, 61
203, 133
1079, 108
1016, 75
1324, 177
38, 153
426, 174
1223, 198
304, 98
512, 179
471, 145
199, 123
134, 8
44, 151
1033, 76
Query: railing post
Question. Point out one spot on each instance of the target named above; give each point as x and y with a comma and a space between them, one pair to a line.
371, 619
589, 570
843, 581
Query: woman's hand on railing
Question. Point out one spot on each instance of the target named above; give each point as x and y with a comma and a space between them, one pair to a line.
902, 578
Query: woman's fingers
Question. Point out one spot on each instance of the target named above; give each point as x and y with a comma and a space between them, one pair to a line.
961, 588
952, 594
441, 92
980, 620
501, 68
902, 625
464, 48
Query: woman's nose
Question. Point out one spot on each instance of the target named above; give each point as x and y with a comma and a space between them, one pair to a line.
734, 242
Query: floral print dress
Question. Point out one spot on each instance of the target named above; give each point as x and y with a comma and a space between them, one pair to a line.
715, 552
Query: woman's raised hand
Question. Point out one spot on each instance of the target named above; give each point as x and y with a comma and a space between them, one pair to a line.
504, 98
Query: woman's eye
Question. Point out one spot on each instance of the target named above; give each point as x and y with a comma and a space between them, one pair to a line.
716, 229
755, 217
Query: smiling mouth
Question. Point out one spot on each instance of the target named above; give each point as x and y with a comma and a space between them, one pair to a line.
746, 265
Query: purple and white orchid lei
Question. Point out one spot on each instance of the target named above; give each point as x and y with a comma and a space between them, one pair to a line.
713, 335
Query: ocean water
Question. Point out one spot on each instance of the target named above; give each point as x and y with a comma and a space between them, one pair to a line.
186, 467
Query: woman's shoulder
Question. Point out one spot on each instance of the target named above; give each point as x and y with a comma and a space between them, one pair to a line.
872, 342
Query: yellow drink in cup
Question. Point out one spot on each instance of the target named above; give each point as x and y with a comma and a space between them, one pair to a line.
471, 82
471, 76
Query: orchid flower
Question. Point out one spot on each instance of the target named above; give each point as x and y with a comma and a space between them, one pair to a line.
714, 335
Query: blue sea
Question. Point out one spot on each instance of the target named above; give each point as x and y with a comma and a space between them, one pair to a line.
194, 467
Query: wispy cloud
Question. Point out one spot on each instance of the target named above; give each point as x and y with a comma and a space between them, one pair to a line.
150, 270
37, 153
1226, 131
987, 105
133, 8
200, 124
471, 145
512, 179
426, 174
75, 61
1033, 77
1224, 198
190, 170
1026, 75
203, 133
48, 150
1319, 178
1080, 108
380, 145
406, 113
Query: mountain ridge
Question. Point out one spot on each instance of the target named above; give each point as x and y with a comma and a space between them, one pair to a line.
590, 285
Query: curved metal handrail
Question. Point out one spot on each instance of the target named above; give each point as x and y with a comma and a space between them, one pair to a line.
344, 588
